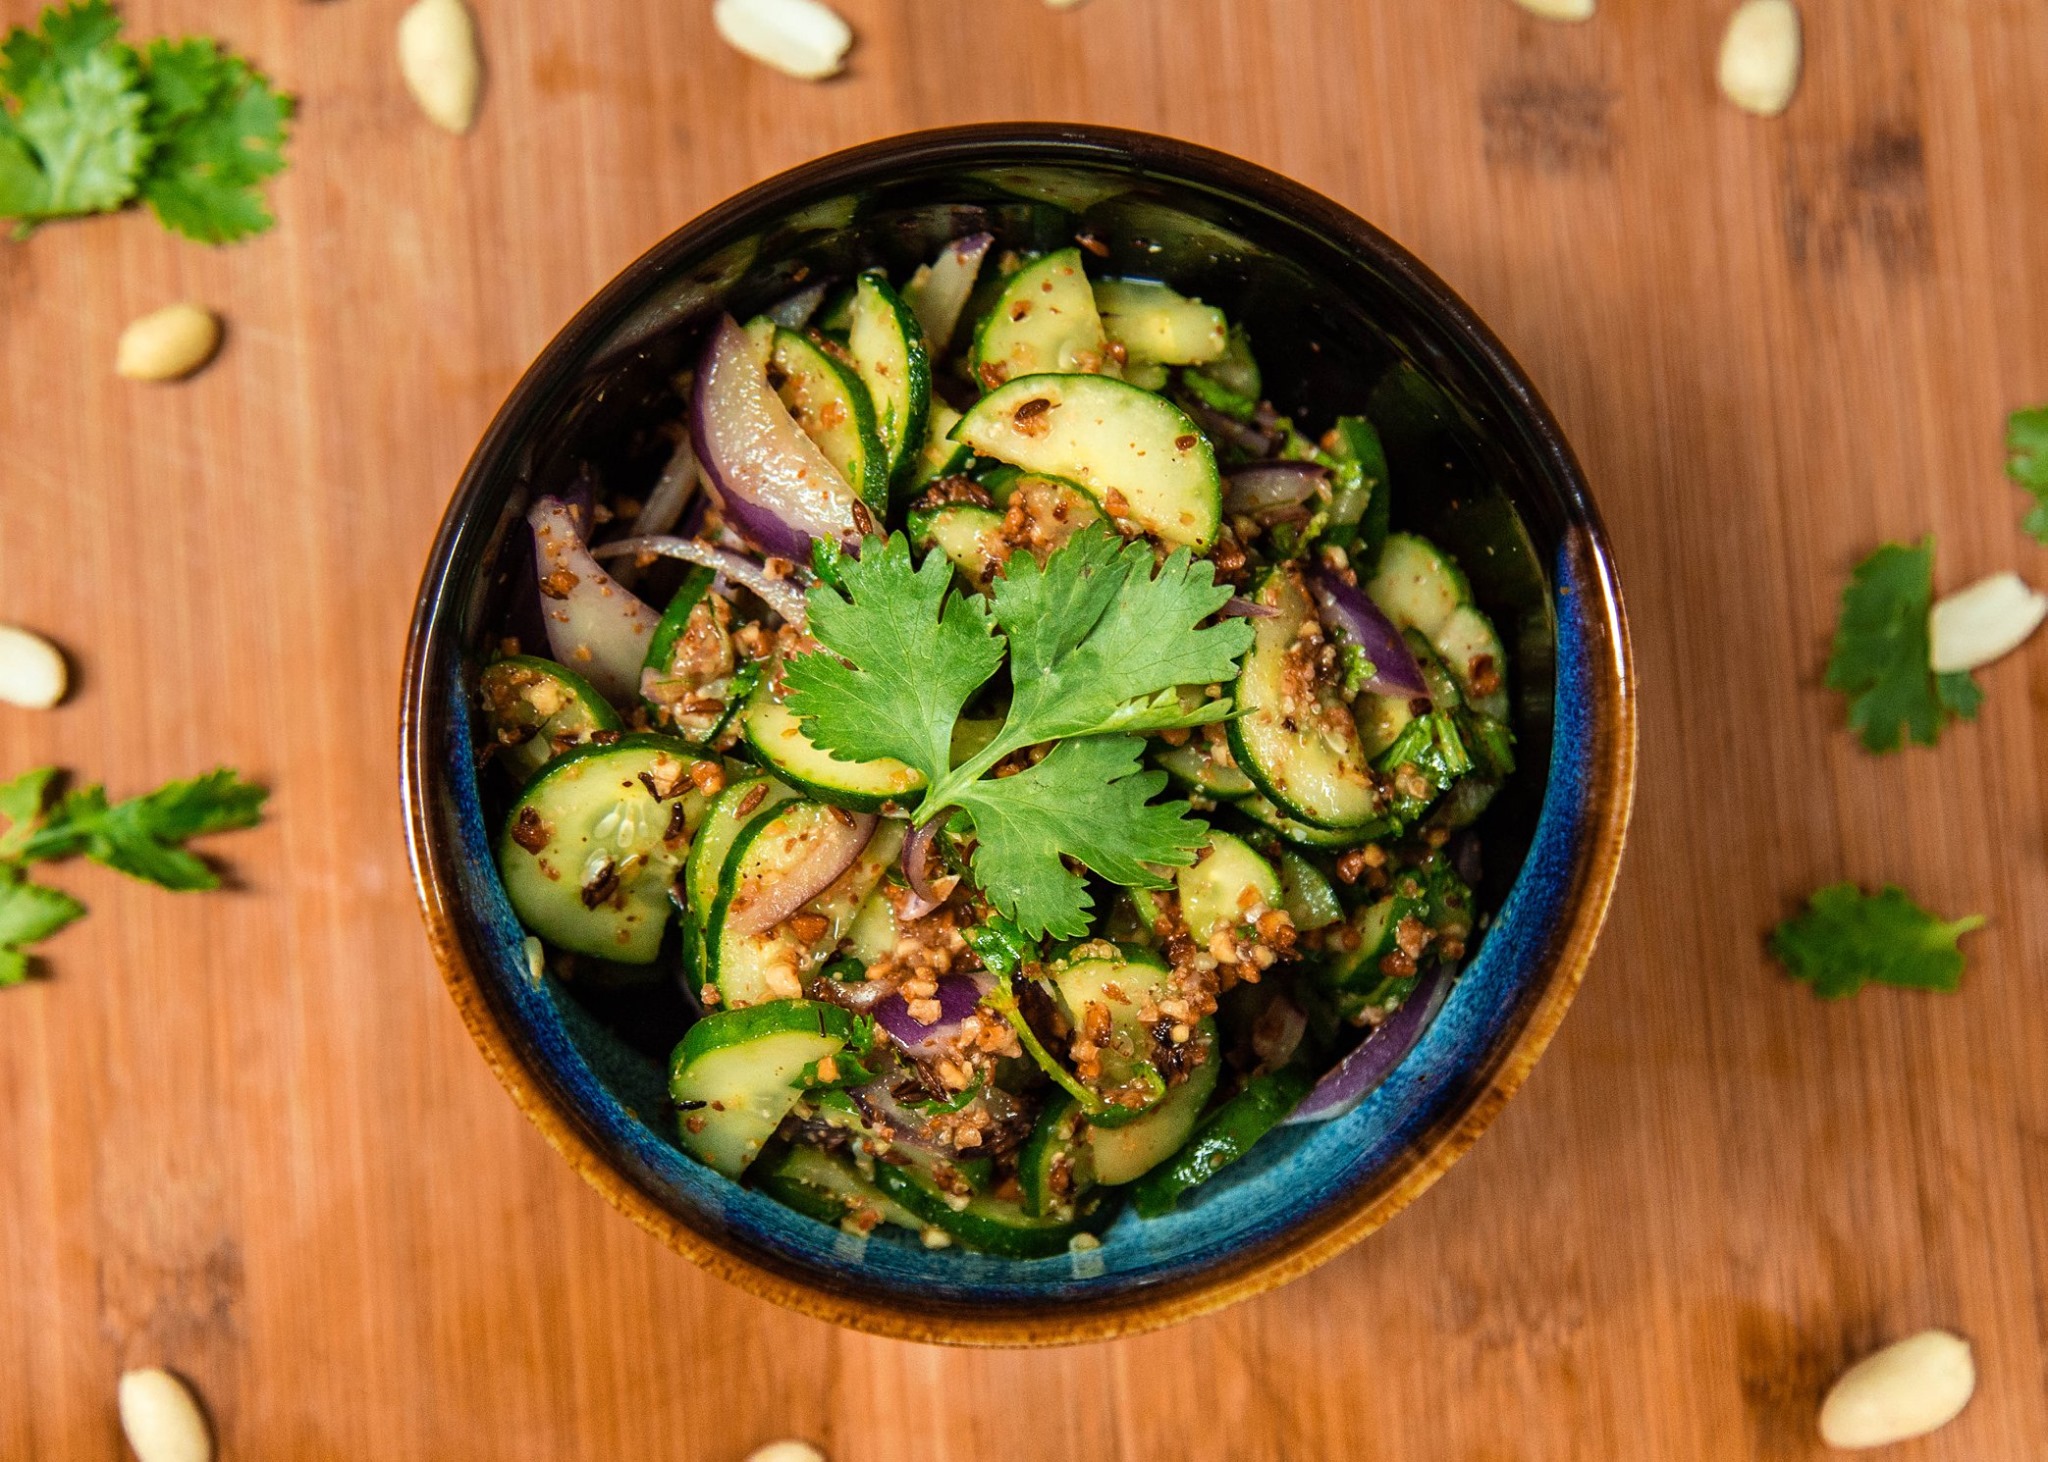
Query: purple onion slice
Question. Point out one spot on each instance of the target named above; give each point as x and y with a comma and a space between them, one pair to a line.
958, 996
1352, 1079
840, 841
1264, 488
939, 303
1237, 607
777, 488
1349, 611
596, 626
930, 884
781, 595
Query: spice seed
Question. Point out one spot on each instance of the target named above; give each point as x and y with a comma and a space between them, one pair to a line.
167, 344
1760, 56
1909, 1389
32, 670
439, 59
1985, 622
161, 1418
801, 38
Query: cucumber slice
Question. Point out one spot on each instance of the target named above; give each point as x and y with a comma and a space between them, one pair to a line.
1043, 319
1417, 585
1159, 325
1228, 887
830, 1189
1236, 370
1122, 987
1360, 498
697, 684
1432, 749
993, 1225
940, 456
871, 937
1195, 766
773, 964
1125, 1154
777, 737
888, 352
832, 405
593, 843
1354, 962
972, 537
1223, 1137
1299, 745
1308, 897
1301, 834
1108, 438
1473, 652
1056, 1167
535, 710
737, 1074
728, 813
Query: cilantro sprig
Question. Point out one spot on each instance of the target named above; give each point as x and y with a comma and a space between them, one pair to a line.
1098, 642
89, 125
2026, 446
143, 837
1882, 660
1847, 938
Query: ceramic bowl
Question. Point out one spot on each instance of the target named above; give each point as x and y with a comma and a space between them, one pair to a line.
1342, 316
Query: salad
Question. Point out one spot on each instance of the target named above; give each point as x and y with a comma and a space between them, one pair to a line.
1032, 756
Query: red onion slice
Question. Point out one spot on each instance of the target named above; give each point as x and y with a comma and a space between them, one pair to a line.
939, 303
1262, 488
1239, 608
1349, 611
796, 311
672, 492
777, 487
596, 626
958, 996
1352, 1079
930, 885
839, 842
781, 595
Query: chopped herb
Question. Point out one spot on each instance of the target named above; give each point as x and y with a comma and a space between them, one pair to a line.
1847, 938
2026, 445
1881, 655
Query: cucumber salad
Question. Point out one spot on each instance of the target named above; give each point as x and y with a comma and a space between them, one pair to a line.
1032, 756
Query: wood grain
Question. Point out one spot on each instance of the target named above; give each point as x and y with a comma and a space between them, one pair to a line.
246, 1136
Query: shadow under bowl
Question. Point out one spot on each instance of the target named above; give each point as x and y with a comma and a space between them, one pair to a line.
1343, 318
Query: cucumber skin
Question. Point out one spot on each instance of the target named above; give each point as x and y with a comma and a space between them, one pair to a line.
873, 488
1058, 1130
594, 705
1223, 1137
724, 1028
988, 1228
903, 456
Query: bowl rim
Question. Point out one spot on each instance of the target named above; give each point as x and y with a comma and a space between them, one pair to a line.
1348, 1218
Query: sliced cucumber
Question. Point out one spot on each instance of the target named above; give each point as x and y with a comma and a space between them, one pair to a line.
971, 536
993, 1225
535, 710
1125, 1154
1136, 454
1230, 886
777, 737
829, 1188
593, 843
1195, 766
1123, 987
737, 1074
888, 351
1056, 1168
1043, 319
1301, 834
1431, 747
1224, 1136
871, 937
1310, 901
1359, 501
1236, 370
832, 405
1354, 961
1417, 586
1159, 325
940, 456
729, 812
1297, 742
696, 684
1473, 652
772, 964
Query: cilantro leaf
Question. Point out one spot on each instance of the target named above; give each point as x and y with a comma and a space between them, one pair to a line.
1098, 641
2026, 445
1881, 653
1847, 938
21, 803
916, 656
72, 139
222, 131
144, 836
29, 912
1089, 801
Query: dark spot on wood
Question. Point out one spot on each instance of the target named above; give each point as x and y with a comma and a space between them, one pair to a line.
1547, 124
1868, 197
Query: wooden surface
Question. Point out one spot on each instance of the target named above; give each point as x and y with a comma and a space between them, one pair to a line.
246, 1136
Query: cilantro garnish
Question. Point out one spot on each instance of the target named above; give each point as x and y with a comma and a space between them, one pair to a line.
1098, 642
1881, 656
1847, 937
143, 837
88, 126
2026, 445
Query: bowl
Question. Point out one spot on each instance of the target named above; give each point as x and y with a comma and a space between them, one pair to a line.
1342, 315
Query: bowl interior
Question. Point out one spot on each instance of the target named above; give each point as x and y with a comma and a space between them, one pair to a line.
1341, 319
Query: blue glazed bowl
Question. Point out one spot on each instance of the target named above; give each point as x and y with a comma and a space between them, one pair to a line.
1342, 315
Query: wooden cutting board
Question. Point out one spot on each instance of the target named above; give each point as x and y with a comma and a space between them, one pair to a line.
245, 1135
